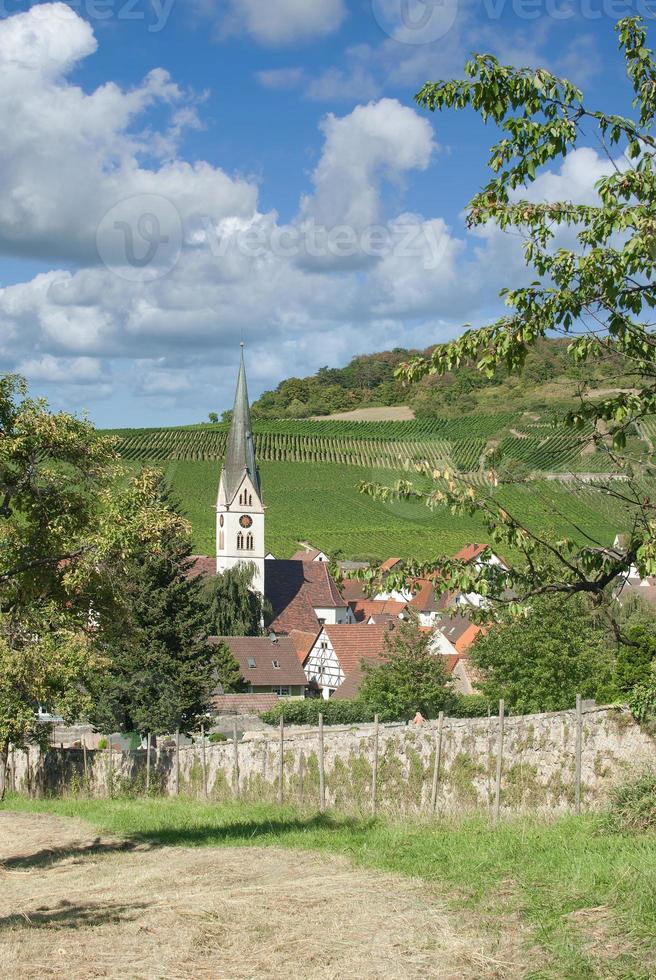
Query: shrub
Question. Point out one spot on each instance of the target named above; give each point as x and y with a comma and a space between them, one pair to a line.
217, 737
473, 706
642, 702
307, 712
633, 803
102, 743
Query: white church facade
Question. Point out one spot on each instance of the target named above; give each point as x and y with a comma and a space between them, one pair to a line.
239, 505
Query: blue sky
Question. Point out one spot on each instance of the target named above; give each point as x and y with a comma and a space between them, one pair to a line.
269, 142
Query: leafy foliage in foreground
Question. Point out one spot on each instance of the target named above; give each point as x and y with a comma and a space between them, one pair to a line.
599, 294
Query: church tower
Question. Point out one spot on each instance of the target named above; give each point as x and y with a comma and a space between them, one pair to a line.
239, 507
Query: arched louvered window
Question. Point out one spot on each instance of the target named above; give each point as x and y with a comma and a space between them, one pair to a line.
249, 542
240, 542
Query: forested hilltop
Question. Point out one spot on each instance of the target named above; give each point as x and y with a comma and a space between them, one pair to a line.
549, 381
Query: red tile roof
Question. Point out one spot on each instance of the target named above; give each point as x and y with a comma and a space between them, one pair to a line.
388, 565
306, 554
355, 643
352, 590
303, 642
243, 704
424, 598
295, 589
364, 608
201, 565
264, 652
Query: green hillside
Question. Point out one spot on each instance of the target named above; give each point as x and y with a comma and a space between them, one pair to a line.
550, 380
320, 503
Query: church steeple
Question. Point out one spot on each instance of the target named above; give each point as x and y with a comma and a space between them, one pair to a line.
240, 453
239, 507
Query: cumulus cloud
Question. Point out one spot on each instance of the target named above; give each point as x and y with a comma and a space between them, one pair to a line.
111, 316
276, 22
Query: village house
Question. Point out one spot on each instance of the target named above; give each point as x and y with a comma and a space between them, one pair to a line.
338, 651
268, 665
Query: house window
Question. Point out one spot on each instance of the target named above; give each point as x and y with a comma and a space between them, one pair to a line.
251, 662
283, 691
275, 664
322, 622
324, 645
240, 542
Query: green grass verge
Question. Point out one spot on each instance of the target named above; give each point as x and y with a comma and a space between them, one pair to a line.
585, 896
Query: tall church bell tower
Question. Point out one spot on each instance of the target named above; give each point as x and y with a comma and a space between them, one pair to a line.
239, 507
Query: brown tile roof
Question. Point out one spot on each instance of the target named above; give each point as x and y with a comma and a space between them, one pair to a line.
264, 651
243, 704
306, 554
201, 565
352, 590
295, 589
389, 564
364, 608
303, 642
472, 551
459, 631
424, 598
355, 643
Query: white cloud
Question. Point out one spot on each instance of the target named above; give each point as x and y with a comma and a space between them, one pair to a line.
280, 78
277, 22
67, 158
380, 139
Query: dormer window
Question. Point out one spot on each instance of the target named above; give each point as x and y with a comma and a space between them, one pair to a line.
275, 664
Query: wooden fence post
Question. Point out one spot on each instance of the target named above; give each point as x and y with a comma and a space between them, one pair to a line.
438, 762
497, 792
85, 762
281, 762
148, 764
236, 751
374, 769
322, 773
110, 767
203, 759
578, 753
177, 762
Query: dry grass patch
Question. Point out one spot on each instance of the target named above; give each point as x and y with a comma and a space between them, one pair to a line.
79, 905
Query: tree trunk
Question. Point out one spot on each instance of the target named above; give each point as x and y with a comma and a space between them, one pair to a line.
4, 761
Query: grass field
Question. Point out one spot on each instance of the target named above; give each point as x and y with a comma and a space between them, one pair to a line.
321, 504
561, 899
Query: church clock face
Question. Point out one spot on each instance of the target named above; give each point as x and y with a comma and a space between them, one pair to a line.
245, 521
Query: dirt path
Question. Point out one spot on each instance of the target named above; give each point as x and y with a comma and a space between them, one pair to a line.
77, 905
386, 413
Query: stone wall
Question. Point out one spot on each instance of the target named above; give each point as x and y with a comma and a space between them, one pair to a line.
538, 764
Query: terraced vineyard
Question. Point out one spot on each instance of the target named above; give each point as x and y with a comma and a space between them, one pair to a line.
471, 444
321, 504
311, 469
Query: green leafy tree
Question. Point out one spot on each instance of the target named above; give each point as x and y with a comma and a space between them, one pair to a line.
227, 669
163, 669
233, 607
636, 657
542, 660
213, 418
70, 520
409, 679
599, 294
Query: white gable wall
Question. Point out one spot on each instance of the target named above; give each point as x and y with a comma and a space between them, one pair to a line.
322, 666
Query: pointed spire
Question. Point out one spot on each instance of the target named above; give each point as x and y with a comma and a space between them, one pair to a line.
240, 454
